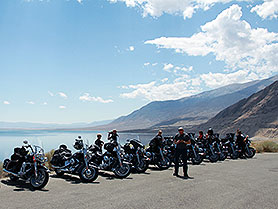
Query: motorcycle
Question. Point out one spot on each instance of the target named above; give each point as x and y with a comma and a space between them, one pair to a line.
28, 163
193, 151
249, 151
229, 146
159, 158
111, 160
207, 151
63, 161
218, 147
134, 153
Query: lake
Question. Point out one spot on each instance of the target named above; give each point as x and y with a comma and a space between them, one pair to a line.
9, 139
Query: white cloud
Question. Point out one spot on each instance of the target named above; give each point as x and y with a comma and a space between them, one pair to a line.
79, 1
50, 93
159, 90
146, 63
164, 80
30, 102
253, 51
45, 103
131, 48
185, 8
268, 9
62, 107
6, 102
154, 64
168, 67
87, 97
63, 95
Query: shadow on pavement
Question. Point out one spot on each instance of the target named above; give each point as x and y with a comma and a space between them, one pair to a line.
21, 186
73, 179
109, 176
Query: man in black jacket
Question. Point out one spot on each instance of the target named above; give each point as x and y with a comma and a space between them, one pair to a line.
181, 140
156, 142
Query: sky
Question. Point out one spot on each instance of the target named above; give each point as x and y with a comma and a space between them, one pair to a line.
66, 61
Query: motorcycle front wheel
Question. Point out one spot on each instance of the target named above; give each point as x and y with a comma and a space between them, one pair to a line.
197, 160
234, 155
164, 164
142, 166
213, 158
250, 152
39, 181
122, 171
89, 174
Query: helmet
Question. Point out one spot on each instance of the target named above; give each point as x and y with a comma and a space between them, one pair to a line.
210, 131
78, 145
99, 134
180, 129
63, 146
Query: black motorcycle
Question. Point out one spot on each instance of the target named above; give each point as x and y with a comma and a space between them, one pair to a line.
207, 151
158, 158
217, 145
111, 160
28, 163
63, 161
249, 151
193, 151
193, 154
229, 147
134, 153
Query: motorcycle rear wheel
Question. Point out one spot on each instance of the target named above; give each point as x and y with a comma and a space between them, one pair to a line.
122, 171
40, 180
88, 175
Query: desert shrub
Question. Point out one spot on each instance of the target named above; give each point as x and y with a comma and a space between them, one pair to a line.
266, 146
49, 155
1, 169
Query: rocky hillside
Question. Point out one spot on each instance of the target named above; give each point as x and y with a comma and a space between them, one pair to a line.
188, 111
257, 115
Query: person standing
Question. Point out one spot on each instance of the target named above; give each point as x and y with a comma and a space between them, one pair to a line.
113, 136
181, 140
99, 142
156, 142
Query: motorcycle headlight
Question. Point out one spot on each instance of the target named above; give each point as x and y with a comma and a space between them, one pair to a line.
148, 154
40, 157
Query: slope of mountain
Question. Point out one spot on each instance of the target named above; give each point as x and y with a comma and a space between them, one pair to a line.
191, 110
256, 115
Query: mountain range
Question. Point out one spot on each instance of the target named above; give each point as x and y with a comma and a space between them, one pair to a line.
188, 111
256, 115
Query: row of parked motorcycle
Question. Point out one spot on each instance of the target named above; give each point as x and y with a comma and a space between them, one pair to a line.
28, 162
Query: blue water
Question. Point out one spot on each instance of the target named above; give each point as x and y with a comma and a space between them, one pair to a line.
9, 139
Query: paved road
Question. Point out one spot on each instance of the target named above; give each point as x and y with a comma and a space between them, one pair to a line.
249, 183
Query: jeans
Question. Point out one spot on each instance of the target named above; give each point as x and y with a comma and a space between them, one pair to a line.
183, 154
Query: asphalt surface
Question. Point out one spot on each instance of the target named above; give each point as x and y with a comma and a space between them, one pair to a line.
251, 183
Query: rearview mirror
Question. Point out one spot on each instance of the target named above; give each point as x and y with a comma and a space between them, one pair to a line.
25, 142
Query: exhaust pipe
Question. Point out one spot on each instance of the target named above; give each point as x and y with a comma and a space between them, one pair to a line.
9, 172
